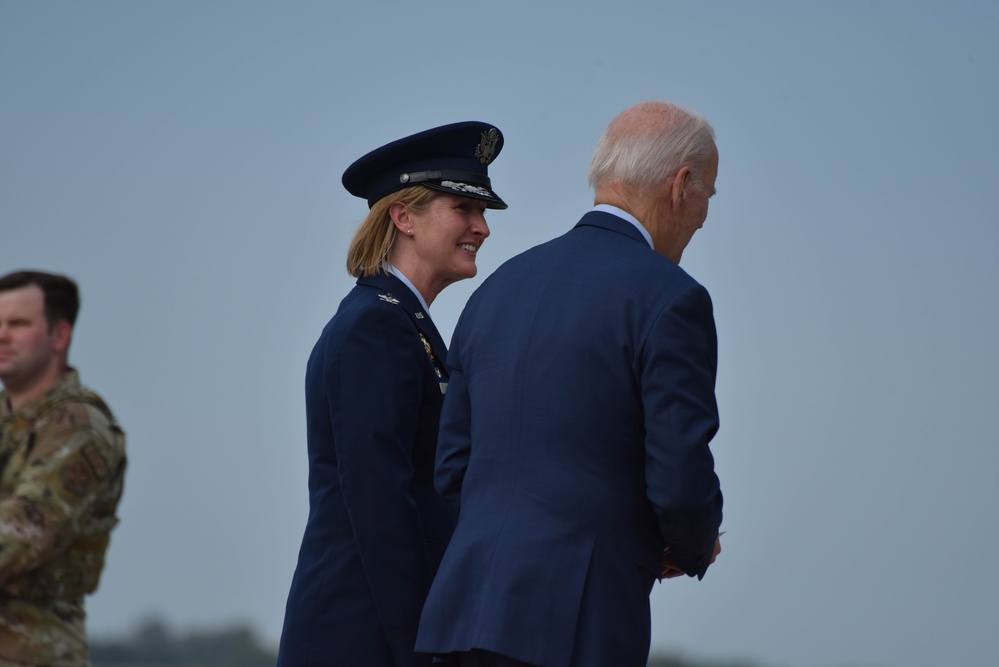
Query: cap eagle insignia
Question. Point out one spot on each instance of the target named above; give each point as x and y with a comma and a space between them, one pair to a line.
486, 150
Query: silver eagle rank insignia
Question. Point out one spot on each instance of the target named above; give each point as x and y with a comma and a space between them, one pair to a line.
388, 298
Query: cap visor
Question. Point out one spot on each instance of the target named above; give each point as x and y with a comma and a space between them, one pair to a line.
461, 189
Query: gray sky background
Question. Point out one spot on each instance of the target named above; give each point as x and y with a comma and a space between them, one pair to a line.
182, 161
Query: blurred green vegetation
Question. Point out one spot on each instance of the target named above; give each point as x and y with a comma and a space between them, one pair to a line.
660, 660
154, 644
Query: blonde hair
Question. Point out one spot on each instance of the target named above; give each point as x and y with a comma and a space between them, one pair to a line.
372, 242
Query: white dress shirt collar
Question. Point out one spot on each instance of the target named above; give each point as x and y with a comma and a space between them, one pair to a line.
624, 215
398, 274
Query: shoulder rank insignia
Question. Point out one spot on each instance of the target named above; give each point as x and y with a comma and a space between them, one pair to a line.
388, 298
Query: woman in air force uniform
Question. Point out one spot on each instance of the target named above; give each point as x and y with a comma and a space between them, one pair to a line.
374, 386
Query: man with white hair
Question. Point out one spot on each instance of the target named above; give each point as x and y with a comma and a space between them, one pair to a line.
574, 434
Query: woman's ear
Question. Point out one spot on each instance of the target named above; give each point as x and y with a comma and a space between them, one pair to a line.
401, 217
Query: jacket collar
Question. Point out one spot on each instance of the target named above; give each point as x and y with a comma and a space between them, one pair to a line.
393, 290
613, 223
69, 380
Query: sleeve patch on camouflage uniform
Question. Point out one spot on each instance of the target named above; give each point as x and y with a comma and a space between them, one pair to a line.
96, 460
76, 477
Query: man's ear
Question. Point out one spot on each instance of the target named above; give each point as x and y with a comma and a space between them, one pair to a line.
62, 334
679, 183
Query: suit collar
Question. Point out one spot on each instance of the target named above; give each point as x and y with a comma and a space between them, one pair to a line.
613, 223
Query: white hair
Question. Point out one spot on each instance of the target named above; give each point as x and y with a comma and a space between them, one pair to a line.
649, 142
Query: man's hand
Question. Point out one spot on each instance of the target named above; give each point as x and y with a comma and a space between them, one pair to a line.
717, 550
670, 569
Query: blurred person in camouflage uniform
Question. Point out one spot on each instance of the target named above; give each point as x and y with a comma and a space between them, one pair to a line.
62, 459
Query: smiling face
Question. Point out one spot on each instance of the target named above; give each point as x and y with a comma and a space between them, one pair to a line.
437, 244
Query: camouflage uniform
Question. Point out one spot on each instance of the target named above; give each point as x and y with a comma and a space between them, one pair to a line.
62, 460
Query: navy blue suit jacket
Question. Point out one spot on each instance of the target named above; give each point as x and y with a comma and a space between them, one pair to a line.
376, 529
574, 438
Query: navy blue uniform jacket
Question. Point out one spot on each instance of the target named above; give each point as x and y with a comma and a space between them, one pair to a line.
376, 529
574, 437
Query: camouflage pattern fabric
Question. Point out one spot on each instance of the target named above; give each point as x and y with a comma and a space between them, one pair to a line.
62, 462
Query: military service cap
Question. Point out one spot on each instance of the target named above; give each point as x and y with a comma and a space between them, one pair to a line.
451, 158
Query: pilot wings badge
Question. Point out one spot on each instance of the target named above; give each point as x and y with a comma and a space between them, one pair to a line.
388, 298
